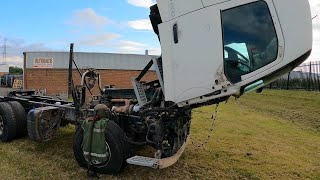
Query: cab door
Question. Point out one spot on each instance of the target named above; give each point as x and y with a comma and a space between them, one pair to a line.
252, 39
191, 54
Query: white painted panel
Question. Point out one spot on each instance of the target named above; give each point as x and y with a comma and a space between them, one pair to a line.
296, 25
93, 60
212, 2
190, 67
170, 9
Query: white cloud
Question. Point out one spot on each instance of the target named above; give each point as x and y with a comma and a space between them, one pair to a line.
315, 55
88, 18
315, 10
142, 24
316, 26
131, 43
155, 51
15, 61
315, 6
18, 49
316, 35
101, 39
131, 47
142, 3
15, 49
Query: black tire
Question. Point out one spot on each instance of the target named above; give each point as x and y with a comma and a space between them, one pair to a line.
124, 143
21, 118
9, 122
64, 123
117, 145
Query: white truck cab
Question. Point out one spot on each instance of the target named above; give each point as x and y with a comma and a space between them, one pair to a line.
213, 49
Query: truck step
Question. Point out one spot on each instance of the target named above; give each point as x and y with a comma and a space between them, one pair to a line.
143, 161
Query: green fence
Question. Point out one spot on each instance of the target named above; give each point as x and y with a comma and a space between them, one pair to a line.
304, 77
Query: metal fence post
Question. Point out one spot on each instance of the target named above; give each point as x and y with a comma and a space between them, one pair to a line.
318, 74
309, 82
288, 82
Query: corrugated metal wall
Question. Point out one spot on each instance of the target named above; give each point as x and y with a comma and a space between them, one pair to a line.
4, 68
93, 60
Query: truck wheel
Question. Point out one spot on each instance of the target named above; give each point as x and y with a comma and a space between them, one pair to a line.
21, 118
115, 147
124, 143
64, 123
7, 123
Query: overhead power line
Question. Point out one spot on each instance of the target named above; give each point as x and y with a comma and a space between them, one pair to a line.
314, 17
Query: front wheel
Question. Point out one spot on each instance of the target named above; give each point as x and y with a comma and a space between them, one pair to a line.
116, 150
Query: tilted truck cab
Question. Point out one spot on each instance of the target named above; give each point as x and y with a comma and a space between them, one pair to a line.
216, 48
211, 50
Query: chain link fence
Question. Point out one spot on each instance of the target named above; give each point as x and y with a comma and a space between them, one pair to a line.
304, 77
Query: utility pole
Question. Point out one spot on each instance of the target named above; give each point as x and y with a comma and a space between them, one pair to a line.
4, 53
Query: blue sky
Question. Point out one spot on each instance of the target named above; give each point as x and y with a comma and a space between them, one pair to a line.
119, 26
93, 25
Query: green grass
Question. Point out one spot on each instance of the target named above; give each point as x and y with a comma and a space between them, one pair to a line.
273, 135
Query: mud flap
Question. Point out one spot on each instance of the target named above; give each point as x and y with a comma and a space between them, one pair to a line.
43, 123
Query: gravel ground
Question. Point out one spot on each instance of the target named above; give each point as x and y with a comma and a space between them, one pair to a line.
4, 91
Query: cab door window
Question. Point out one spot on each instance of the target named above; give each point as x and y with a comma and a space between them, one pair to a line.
250, 40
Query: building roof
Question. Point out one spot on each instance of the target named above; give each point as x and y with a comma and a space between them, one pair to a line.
4, 68
60, 60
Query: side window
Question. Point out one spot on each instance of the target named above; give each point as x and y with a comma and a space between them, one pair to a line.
250, 40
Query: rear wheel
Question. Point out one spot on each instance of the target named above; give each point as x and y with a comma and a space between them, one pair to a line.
7, 123
21, 118
116, 150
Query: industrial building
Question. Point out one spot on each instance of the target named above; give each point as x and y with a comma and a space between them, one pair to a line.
48, 71
4, 69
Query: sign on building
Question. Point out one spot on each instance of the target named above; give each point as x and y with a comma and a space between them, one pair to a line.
43, 63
